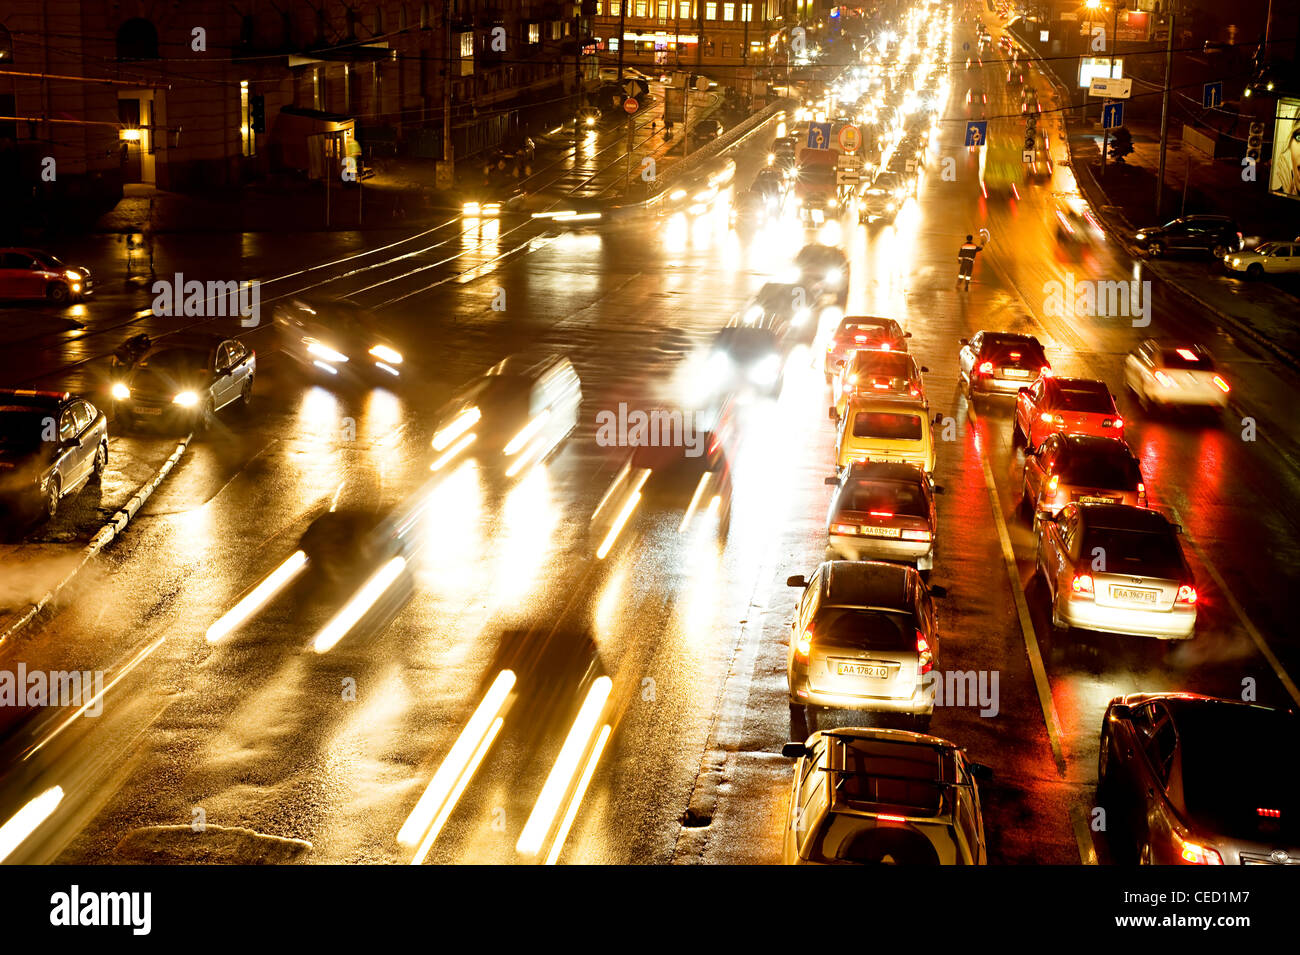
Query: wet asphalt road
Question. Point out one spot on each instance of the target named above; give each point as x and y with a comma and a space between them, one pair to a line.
259, 731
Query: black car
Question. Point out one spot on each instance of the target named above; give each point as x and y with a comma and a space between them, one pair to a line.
51, 444
1000, 362
1192, 780
185, 380
691, 479
826, 267
706, 130
336, 340
1217, 235
745, 359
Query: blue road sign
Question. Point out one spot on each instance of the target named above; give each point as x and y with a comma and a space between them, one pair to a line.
1212, 95
819, 135
977, 132
1112, 115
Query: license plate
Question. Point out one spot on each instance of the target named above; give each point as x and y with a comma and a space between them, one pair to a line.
882, 531
874, 671
1083, 499
1136, 595
875, 459
145, 410
1015, 373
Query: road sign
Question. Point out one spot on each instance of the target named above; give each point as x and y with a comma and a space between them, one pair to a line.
977, 132
1212, 95
848, 176
850, 139
819, 135
1112, 115
1027, 156
630, 105
1118, 88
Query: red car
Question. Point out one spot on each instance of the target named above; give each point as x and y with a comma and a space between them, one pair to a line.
31, 273
1065, 405
862, 333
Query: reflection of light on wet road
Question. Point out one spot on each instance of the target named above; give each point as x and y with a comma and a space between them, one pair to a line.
25, 821
527, 531
453, 527
256, 598
359, 605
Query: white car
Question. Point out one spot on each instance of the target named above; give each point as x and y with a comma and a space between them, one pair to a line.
1271, 257
1164, 375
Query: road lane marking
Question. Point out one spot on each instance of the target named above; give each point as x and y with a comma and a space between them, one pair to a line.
1082, 835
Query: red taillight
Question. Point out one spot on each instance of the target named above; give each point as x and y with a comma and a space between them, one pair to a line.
1269, 813
881, 513
804, 644
916, 535
890, 818
986, 368
1186, 354
1046, 371
1222, 385
1015, 356
1195, 854
923, 651
859, 338
845, 528
1186, 594
1052, 482
1118, 423
1048, 418
884, 346
1082, 584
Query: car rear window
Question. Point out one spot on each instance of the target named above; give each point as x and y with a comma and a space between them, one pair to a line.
860, 840
1234, 763
888, 425
867, 629
1185, 359
1154, 554
1088, 400
883, 363
1017, 354
868, 330
1112, 471
886, 497
21, 427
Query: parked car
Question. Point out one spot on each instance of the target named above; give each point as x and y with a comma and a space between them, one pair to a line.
52, 443
1272, 258
185, 380
1217, 235
31, 273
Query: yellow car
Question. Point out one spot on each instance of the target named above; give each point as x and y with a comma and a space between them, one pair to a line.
886, 429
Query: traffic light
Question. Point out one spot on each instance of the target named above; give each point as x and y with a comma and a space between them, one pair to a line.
1255, 142
1029, 141
257, 111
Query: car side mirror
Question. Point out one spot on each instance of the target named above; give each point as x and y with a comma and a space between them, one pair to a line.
794, 750
980, 771
937, 489
796, 581
924, 369
1121, 711
938, 418
1022, 390
938, 591
963, 341
832, 482
907, 334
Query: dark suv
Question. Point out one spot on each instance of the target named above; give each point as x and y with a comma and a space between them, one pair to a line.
1217, 235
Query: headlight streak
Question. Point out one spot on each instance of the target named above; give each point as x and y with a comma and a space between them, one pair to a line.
566, 765
609, 492
359, 605
633, 499
581, 790
325, 352
384, 366
695, 501
257, 598
26, 820
120, 391
186, 399
384, 353
443, 792
326, 367
462, 423
526, 433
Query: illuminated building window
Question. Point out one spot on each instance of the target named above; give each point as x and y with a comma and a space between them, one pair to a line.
728, 11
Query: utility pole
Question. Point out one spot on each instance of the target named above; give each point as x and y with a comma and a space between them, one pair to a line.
1110, 73
622, 23
1164, 117
447, 154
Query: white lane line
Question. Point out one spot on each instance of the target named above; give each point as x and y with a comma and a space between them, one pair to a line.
1256, 637
1041, 683
1082, 835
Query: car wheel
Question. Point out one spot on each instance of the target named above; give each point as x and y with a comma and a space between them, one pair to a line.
1017, 436
101, 461
1254, 271
1155, 250
51, 503
207, 416
246, 394
1219, 250
58, 293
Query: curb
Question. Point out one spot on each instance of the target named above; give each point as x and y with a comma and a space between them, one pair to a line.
115, 526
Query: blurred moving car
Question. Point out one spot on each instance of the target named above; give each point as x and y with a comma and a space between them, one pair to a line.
1192, 780
883, 512
792, 311
892, 374
750, 211
336, 339
1000, 362
1146, 588
1082, 468
31, 273
1272, 258
185, 379
1075, 226
513, 416
857, 332
746, 360
886, 430
706, 130
1174, 375
872, 796
678, 479
1217, 235
826, 267
1070, 405
865, 635
51, 444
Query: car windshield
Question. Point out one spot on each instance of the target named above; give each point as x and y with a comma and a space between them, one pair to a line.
1115, 470
21, 428
47, 260
1088, 400
1234, 764
1186, 359
745, 344
885, 498
1147, 553
889, 425
866, 629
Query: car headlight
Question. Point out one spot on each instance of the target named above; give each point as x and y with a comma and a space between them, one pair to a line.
719, 364
324, 351
1235, 261
832, 203
753, 314
1140, 236
800, 317
72, 276
835, 276
384, 353
186, 399
120, 391
766, 371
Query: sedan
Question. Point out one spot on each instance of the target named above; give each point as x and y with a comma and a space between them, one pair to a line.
1117, 569
1000, 362
826, 267
1174, 375
873, 796
1191, 780
744, 360
1217, 235
883, 512
336, 340
1079, 467
879, 373
31, 273
51, 444
1273, 258
185, 379
864, 638
1069, 405
856, 332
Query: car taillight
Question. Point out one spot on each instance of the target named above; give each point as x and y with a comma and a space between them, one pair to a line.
883, 817
1052, 482
1269, 813
804, 644
1046, 371
1222, 385
986, 368
1082, 584
1195, 854
1049, 418
1164, 380
844, 528
1112, 422
1186, 594
1015, 356
859, 338
916, 535
881, 513
884, 346
923, 651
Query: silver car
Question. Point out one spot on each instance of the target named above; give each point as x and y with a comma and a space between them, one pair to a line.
865, 637
1118, 569
866, 796
883, 511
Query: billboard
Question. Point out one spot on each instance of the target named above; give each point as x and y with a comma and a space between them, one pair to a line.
1284, 177
1093, 66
